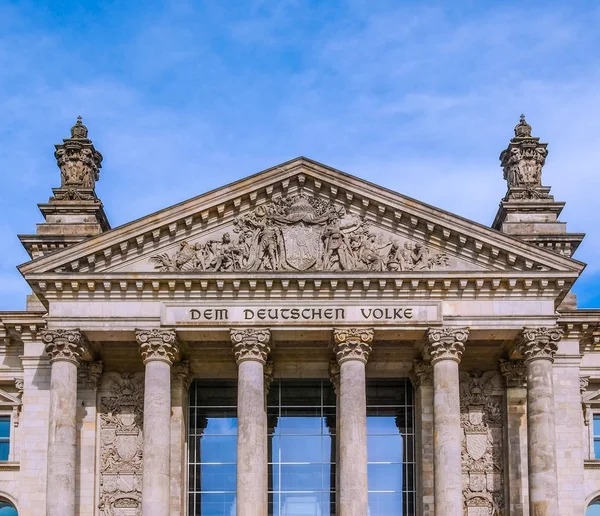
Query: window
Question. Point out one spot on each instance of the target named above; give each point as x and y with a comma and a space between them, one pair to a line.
7, 508
596, 436
391, 447
301, 447
593, 509
212, 448
4, 438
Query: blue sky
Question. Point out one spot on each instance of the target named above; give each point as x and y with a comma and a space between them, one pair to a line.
181, 97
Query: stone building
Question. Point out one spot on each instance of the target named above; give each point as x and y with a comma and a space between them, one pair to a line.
300, 343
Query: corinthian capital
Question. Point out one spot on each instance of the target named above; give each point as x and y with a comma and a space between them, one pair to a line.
539, 343
421, 374
68, 345
514, 372
445, 343
352, 344
334, 374
158, 344
251, 344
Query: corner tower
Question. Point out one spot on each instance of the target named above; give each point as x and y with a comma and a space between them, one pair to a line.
528, 211
74, 212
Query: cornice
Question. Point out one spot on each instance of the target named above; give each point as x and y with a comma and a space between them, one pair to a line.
18, 327
434, 284
468, 239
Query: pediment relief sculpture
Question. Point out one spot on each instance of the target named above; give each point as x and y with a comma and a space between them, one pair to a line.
300, 233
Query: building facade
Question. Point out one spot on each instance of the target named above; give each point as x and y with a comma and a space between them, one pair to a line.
300, 343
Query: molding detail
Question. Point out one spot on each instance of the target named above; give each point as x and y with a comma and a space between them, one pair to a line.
251, 344
300, 233
514, 372
334, 374
352, 344
180, 374
89, 374
482, 447
421, 374
158, 344
445, 344
268, 375
69, 345
121, 443
539, 343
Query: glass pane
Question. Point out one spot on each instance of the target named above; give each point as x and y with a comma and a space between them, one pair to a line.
593, 509
382, 425
218, 448
4, 450
301, 448
385, 504
385, 477
300, 425
217, 504
597, 448
221, 426
597, 425
304, 477
218, 477
4, 426
384, 448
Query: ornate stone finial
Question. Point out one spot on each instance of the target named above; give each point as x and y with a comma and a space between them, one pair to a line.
352, 344
539, 343
268, 375
522, 129
584, 381
79, 131
89, 373
445, 344
334, 374
69, 345
522, 162
79, 162
514, 372
158, 344
180, 374
251, 344
421, 374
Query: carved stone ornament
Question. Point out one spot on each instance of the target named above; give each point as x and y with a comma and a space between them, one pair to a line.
334, 374
158, 344
78, 160
67, 345
352, 344
89, 374
180, 374
121, 444
482, 449
584, 381
539, 343
268, 375
301, 233
514, 372
251, 344
421, 374
445, 344
523, 160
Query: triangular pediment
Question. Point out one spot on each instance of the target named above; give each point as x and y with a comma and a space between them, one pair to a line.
299, 217
9, 400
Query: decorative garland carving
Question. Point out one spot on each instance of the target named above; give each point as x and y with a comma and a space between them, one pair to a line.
121, 443
482, 448
251, 344
352, 344
300, 233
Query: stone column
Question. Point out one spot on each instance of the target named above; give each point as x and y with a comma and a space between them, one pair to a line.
352, 347
180, 384
421, 377
538, 347
66, 349
515, 378
159, 351
251, 347
444, 347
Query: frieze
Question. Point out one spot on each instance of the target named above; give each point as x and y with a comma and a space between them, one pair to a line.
121, 443
482, 448
300, 233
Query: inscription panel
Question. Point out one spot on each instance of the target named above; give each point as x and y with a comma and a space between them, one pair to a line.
279, 314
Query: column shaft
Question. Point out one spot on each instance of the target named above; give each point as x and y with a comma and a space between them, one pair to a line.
447, 439
538, 347
252, 433
62, 439
353, 497
157, 438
